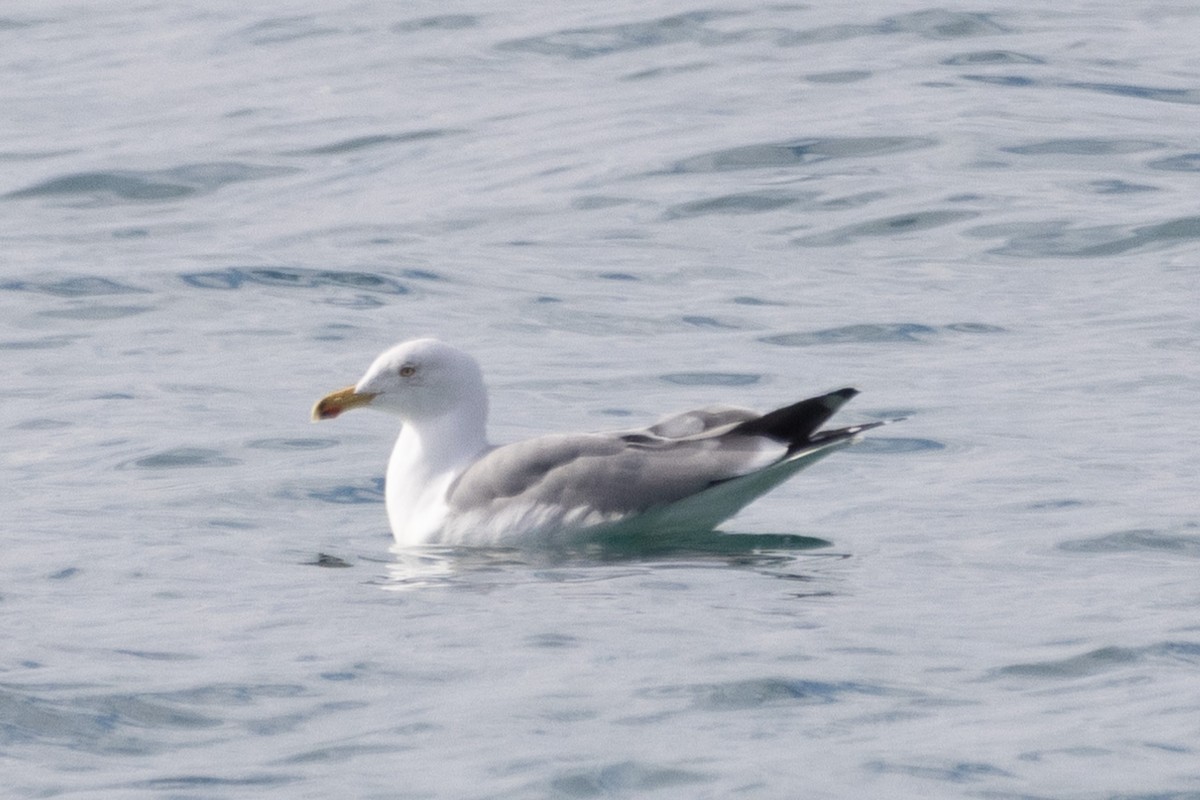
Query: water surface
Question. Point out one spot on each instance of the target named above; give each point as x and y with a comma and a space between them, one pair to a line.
980, 216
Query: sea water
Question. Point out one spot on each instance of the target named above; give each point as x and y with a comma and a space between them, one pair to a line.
982, 216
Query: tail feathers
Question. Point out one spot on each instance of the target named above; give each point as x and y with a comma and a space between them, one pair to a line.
837, 434
798, 424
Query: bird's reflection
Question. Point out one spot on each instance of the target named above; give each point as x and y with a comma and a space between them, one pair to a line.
415, 568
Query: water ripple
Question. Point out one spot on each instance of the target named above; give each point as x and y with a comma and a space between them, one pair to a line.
92, 724
78, 286
282, 30
974, 327
1118, 186
1188, 162
349, 495
1137, 540
95, 313
1105, 660
363, 142
44, 343
1084, 147
758, 692
181, 458
298, 278
876, 333
1002, 80
710, 378
1085, 664
156, 655
102, 723
194, 782
291, 444
929, 24
1187, 96
15, 24
991, 57
621, 779
601, 40
329, 561
42, 424
121, 186
1059, 239
958, 772
799, 152
337, 754
897, 444
749, 203
701, 321
886, 226
441, 22
1159, 94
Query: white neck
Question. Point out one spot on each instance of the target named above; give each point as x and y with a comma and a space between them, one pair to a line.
427, 458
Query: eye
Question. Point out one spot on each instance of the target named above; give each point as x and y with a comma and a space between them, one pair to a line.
407, 371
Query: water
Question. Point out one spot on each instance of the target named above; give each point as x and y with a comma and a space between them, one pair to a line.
982, 216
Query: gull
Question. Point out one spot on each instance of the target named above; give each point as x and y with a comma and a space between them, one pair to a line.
447, 485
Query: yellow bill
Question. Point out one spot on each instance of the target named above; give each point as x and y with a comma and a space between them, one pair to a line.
335, 403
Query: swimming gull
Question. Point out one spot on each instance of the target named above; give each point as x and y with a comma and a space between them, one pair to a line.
689, 472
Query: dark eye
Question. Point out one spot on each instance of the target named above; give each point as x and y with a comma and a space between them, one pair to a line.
407, 371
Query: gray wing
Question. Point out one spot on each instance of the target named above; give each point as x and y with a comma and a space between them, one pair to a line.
628, 472
711, 419
612, 474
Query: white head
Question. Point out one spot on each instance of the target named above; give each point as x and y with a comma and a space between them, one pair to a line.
420, 381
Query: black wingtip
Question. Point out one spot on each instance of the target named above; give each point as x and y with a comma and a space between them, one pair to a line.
839, 398
796, 424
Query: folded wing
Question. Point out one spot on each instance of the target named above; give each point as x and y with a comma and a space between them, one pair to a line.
695, 468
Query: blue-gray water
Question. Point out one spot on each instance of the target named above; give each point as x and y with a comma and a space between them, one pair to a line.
983, 215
